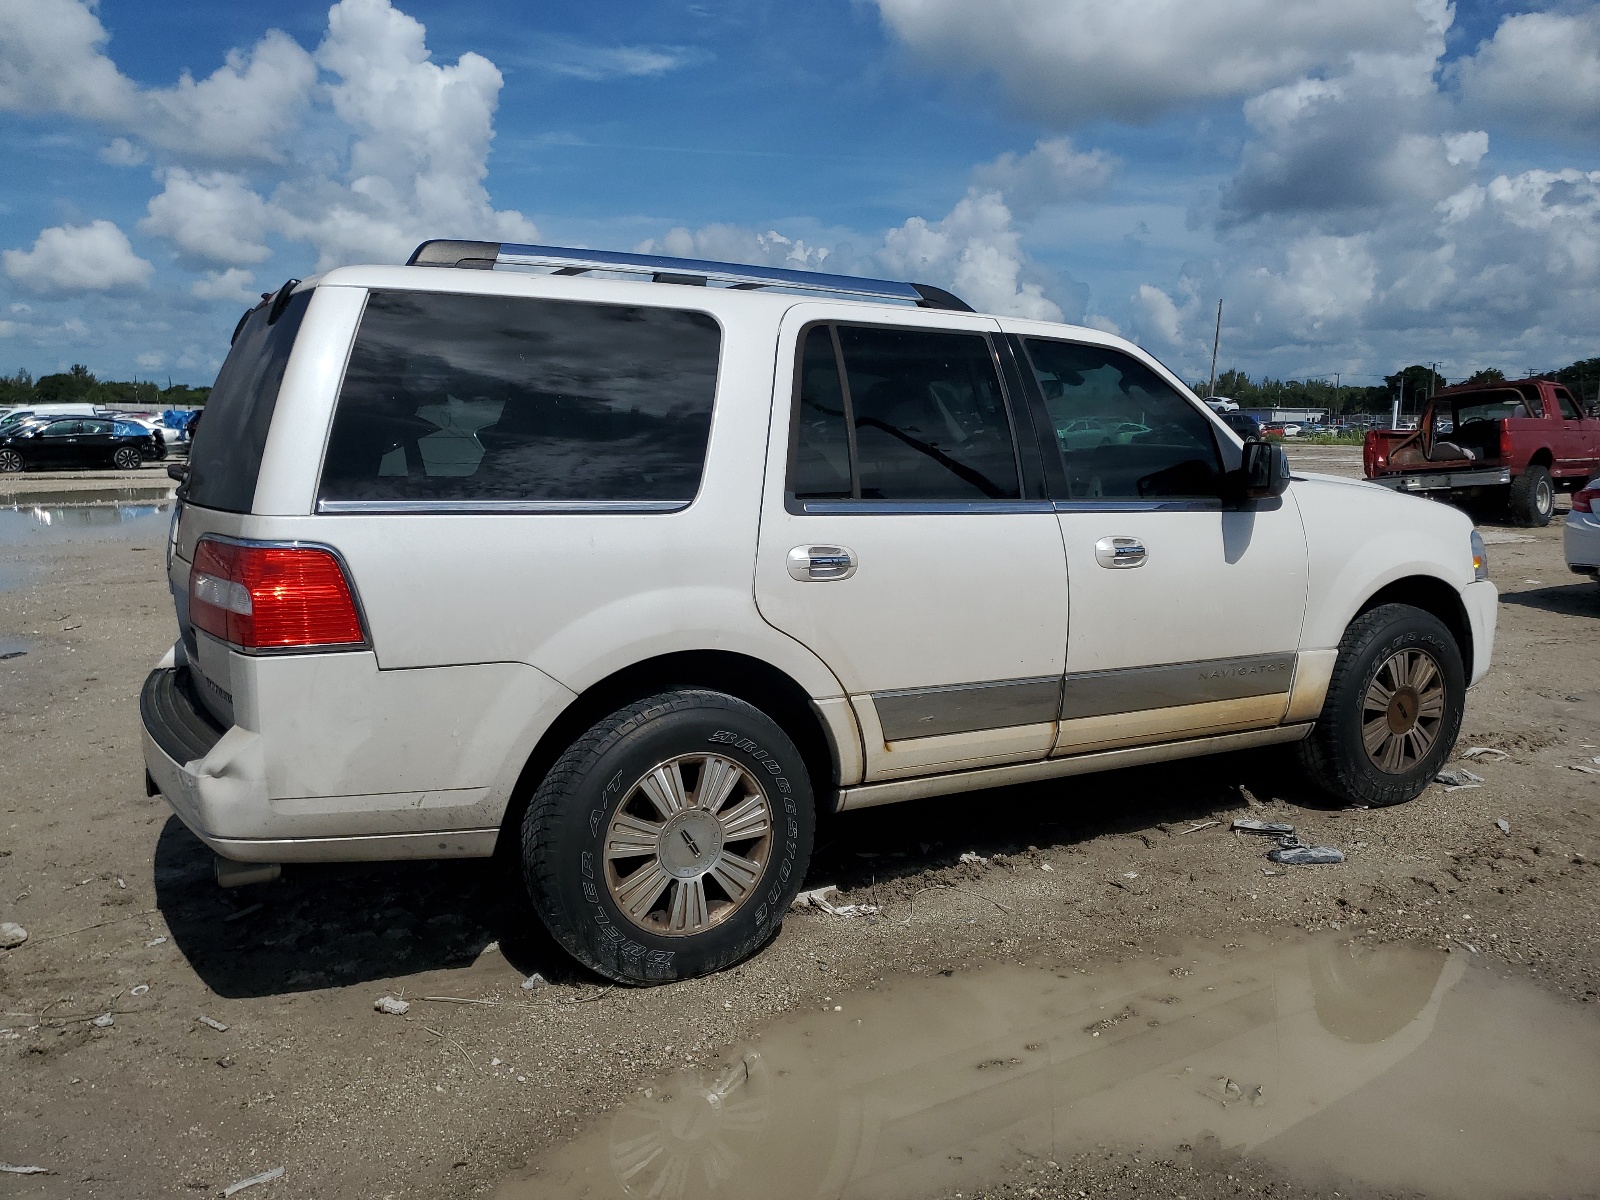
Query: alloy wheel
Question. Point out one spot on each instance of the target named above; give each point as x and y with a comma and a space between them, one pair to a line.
10, 461
127, 458
1402, 711
688, 844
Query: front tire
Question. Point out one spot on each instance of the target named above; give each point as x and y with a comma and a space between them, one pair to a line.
10, 461
1532, 497
669, 840
1393, 709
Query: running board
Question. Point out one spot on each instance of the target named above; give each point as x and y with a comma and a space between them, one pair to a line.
896, 790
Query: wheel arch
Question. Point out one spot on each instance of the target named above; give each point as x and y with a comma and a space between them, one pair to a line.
1432, 595
1542, 457
758, 683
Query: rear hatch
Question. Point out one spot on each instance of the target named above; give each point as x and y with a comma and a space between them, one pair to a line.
224, 463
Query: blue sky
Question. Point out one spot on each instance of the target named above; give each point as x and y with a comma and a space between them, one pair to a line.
1364, 182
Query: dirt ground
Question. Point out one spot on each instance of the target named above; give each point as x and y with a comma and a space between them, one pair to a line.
242, 1034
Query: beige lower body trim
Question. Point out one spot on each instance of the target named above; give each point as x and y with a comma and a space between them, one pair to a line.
948, 752
389, 847
1055, 768
1313, 671
1084, 734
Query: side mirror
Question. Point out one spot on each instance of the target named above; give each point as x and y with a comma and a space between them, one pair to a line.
1263, 471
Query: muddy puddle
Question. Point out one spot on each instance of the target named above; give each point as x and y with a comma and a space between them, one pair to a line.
1397, 1067
27, 524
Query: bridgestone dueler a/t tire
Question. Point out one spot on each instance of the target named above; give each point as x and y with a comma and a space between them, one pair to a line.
564, 831
1333, 756
1531, 497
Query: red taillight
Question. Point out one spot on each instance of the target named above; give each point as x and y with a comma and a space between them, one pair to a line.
1505, 443
1583, 501
272, 597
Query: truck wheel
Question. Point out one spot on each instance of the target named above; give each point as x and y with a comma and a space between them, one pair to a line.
1393, 708
669, 840
1532, 498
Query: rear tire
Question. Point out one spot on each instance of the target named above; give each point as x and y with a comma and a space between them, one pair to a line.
669, 840
1393, 709
1532, 497
127, 458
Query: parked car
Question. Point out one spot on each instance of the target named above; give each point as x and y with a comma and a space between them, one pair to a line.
1519, 441
1246, 426
1581, 536
30, 412
155, 448
477, 560
76, 442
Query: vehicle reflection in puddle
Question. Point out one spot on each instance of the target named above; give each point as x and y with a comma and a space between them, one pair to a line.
30, 524
1397, 1067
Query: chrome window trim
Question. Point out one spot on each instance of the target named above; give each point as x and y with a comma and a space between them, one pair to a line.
493, 507
1138, 506
919, 507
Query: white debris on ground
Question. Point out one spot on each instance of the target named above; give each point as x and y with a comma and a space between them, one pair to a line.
12, 935
1479, 751
976, 860
818, 898
392, 1005
264, 1177
1454, 777
103, 1021
1504, 826
535, 980
213, 1024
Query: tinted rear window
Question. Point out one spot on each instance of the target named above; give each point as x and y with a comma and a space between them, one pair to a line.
226, 455
452, 398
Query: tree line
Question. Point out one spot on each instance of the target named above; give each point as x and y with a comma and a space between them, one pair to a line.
1410, 385
80, 385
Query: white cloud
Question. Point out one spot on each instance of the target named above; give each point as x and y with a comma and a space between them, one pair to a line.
976, 250
419, 151
1540, 72
593, 64
1465, 148
235, 285
1071, 61
120, 152
151, 361
1052, 172
213, 217
1159, 314
79, 258
52, 60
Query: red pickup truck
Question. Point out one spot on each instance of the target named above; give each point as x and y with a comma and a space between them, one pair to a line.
1520, 441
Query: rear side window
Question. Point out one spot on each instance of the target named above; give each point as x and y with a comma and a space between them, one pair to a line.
914, 414
462, 399
225, 458
1123, 431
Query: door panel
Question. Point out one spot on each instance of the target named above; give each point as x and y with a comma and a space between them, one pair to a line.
950, 584
1186, 614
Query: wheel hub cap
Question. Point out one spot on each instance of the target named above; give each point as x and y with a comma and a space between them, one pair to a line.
1403, 710
687, 845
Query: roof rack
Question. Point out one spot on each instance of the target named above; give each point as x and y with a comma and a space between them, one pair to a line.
485, 256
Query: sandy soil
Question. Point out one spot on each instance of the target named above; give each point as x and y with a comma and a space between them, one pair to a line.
452, 1098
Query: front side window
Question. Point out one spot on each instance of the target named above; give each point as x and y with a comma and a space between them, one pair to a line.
1124, 433
1569, 410
58, 429
913, 415
492, 398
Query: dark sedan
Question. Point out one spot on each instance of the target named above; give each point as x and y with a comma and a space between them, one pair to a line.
77, 442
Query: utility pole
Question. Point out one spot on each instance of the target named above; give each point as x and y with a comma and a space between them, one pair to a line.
1216, 340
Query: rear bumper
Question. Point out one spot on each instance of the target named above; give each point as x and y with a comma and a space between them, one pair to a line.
1581, 540
215, 781
1444, 481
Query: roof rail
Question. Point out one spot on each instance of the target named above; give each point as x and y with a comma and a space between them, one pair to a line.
486, 256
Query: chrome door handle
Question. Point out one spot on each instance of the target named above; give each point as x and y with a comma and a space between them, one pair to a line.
1120, 552
817, 564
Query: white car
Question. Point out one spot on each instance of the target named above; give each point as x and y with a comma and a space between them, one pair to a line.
632, 578
1581, 536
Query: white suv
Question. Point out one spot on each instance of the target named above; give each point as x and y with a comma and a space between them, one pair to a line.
632, 566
